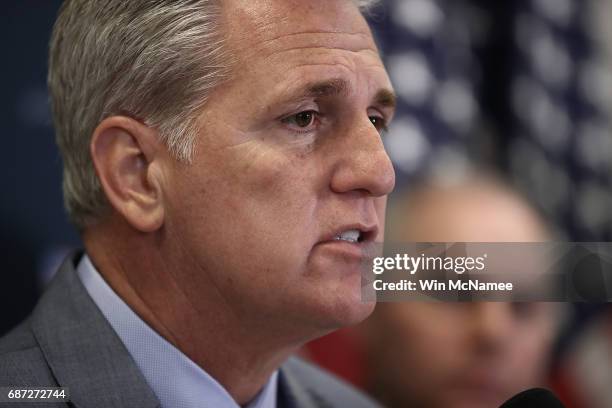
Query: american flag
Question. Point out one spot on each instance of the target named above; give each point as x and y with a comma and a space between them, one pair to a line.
524, 87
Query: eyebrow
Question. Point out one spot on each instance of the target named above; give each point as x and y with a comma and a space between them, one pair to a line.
327, 88
338, 86
386, 98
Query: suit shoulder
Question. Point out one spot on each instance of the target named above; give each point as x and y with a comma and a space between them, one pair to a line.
21, 360
19, 338
327, 389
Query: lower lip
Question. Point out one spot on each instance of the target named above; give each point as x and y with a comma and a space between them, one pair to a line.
344, 249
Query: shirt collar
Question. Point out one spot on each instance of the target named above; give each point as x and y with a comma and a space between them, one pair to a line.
175, 379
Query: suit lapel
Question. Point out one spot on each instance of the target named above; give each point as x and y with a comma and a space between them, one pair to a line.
83, 351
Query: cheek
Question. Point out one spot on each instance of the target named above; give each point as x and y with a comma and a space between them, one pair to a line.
277, 192
251, 181
530, 349
261, 171
263, 201
428, 336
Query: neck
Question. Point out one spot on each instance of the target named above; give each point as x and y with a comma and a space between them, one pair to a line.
240, 354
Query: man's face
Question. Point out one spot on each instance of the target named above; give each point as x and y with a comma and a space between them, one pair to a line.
461, 355
289, 156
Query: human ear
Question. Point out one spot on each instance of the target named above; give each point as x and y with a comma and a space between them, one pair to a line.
126, 156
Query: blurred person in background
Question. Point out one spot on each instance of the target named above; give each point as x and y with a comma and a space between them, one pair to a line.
465, 354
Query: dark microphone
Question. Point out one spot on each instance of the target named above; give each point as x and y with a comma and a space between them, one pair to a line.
534, 397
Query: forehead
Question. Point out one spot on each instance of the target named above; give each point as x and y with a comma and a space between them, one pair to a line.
259, 29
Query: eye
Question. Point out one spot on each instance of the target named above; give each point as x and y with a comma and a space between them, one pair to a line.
525, 310
379, 123
302, 120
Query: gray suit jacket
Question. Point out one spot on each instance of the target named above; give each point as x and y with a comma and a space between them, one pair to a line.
67, 342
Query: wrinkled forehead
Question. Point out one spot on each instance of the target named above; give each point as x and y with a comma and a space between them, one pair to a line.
263, 26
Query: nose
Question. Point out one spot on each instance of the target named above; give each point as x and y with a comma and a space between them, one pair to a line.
491, 324
363, 164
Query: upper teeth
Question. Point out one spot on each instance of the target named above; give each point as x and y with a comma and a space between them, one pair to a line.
350, 236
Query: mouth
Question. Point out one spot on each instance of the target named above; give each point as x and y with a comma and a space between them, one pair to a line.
355, 234
351, 245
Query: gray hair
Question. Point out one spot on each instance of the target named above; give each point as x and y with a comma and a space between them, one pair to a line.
154, 60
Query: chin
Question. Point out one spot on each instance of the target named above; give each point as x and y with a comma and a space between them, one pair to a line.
358, 313
314, 318
328, 303
348, 304
346, 311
